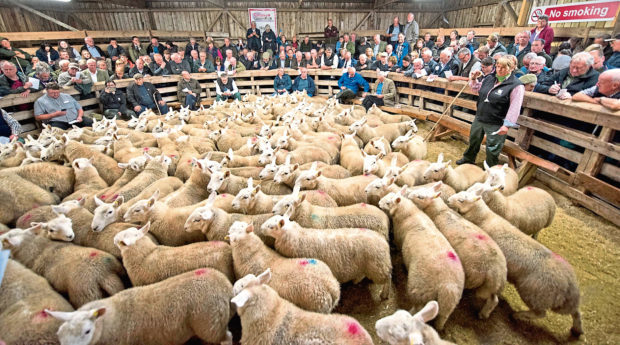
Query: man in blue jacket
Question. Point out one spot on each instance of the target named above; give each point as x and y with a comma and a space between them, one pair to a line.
282, 83
349, 84
304, 82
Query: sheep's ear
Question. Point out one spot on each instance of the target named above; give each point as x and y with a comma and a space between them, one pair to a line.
145, 228
302, 197
256, 190
397, 200
227, 173
448, 162
211, 198
429, 312
36, 228
123, 165
98, 201
249, 228
265, 277
250, 182
59, 315
437, 186
118, 202
295, 167
486, 166
241, 299
393, 162
82, 200
390, 181
282, 222
440, 158
364, 154
230, 154
504, 167
403, 190
381, 155
95, 313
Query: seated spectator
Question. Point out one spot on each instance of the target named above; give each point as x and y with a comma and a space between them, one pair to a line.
562, 60
495, 46
417, 70
240, 46
407, 66
85, 55
47, 54
167, 55
306, 45
446, 63
136, 50
428, 42
482, 52
115, 50
193, 45
141, 68
203, 65
377, 45
159, 66
64, 55
340, 42
329, 60
250, 61
577, 77
178, 65
29, 72
95, 74
419, 45
312, 59
529, 81
279, 62
282, 83
229, 46
219, 66
605, 93
538, 48
225, 88
142, 95
188, 91
599, 58
429, 62
392, 64
63, 46
536, 68
172, 48
382, 63
371, 57
193, 58
95, 52
521, 47
59, 109
383, 92
114, 102
63, 66
487, 66
14, 55
103, 65
124, 60
290, 57
347, 61
349, 84
466, 65
44, 75
389, 50
363, 64
364, 44
265, 63
304, 83
234, 67
298, 61
14, 82
440, 45
614, 60
81, 81
402, 49
10, 128
603, 40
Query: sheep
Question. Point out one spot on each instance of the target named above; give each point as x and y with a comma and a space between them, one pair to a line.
166, 222
530, 209
287, 173
187, 152
130, 171
317, 144
347, 191
386, 117
155, 170
19, 196
30, 159
353, 216
45, 213
192, 304
107, 166
378, 145
351, 156
268, 318
411, 145
459, 178
379, 164
147, 263
402, 328
305, 282
483, 261
381, 187
225, 182
54, 178
351, 254
12, 155
85, 274
193, 191
543, 279
226, 139
251, 200
435, 271
23, 297
389, 131
86, 175
411, 174
502, 176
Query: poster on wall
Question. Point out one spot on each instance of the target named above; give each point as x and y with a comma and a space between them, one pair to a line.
264, 16
591, 11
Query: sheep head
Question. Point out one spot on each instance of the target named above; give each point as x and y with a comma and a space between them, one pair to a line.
106, 213
423, 196
59, 228
131, 236
81, 327
464, 201
246, 198
141, 210
404, 328
437, 171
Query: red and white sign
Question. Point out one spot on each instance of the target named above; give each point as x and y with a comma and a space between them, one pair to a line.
591, 11
264, 16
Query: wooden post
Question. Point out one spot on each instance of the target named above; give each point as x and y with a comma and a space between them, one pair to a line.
524, 13
499, 15
525, 134
511, 12
592, 162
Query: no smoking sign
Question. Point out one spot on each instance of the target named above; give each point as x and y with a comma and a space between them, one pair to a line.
536, 14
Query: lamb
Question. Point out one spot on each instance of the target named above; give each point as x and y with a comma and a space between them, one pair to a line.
544, 280
226, 139
411, 174
386, 117
54, 178
381, 187
45, 213
158, 314
502, 176
129, 173
483, 261
378, 145
411, 145
193, 191
187, 151
166, 222
435, 271
287, 173
389, 131
351, 254
225, 182
19, 196
351, 156
155, 170
379, 164
251, 200
23, 297
353, 216
147, 263
93, 274
305, 282
267, 318
107, 166
459, 178
530, 209
30, 159
347, 191
87, 179
402, 328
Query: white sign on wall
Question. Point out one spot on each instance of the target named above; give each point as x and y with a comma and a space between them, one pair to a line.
264, 16
591, 11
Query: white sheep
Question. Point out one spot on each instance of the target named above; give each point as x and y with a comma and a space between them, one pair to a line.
502, 176
411, 145
459, 178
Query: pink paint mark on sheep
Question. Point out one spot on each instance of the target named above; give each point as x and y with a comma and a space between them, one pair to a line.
353, 328
40, 316
321, 192
93, 254
529, 188
303, 262
481, 237
453, 256
114, 197
146, 149
254, 139
363, 204
27, 217
331, 138
558, 257
102, 197
200, 272
224, 195
416, 160
35, 206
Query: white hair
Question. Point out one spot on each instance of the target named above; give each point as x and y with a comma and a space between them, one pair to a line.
63, 62
364, 55
583, 57
526, 33
539, 59
91, 60
428, 53
418, 60
530, 56
447, 52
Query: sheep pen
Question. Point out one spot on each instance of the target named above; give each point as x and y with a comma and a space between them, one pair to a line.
589, 243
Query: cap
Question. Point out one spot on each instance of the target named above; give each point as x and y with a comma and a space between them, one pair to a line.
74, 65
617, 37
528, 79
137, 76
266, 55
492, 38
3, 38
384, 54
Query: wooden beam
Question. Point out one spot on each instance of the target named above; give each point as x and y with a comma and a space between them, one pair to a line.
389, 2
511, 12
130, 3
362, 21
524, 12
215, 21
243, 28
499, 15
79, 21
43, 15
602, 189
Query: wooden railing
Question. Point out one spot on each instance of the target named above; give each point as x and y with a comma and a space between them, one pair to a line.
596, 163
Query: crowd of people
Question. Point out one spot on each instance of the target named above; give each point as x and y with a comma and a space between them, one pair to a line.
573, 72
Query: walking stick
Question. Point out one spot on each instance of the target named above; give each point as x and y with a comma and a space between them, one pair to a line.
20, 66
157, 104
445, 112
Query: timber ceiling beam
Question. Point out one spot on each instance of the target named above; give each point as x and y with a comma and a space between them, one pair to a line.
43, 15
511, 12
129, 3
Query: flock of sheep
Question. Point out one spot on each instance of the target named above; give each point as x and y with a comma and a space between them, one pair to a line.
158, 230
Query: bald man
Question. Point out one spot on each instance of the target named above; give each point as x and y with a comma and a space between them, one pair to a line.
606, 92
